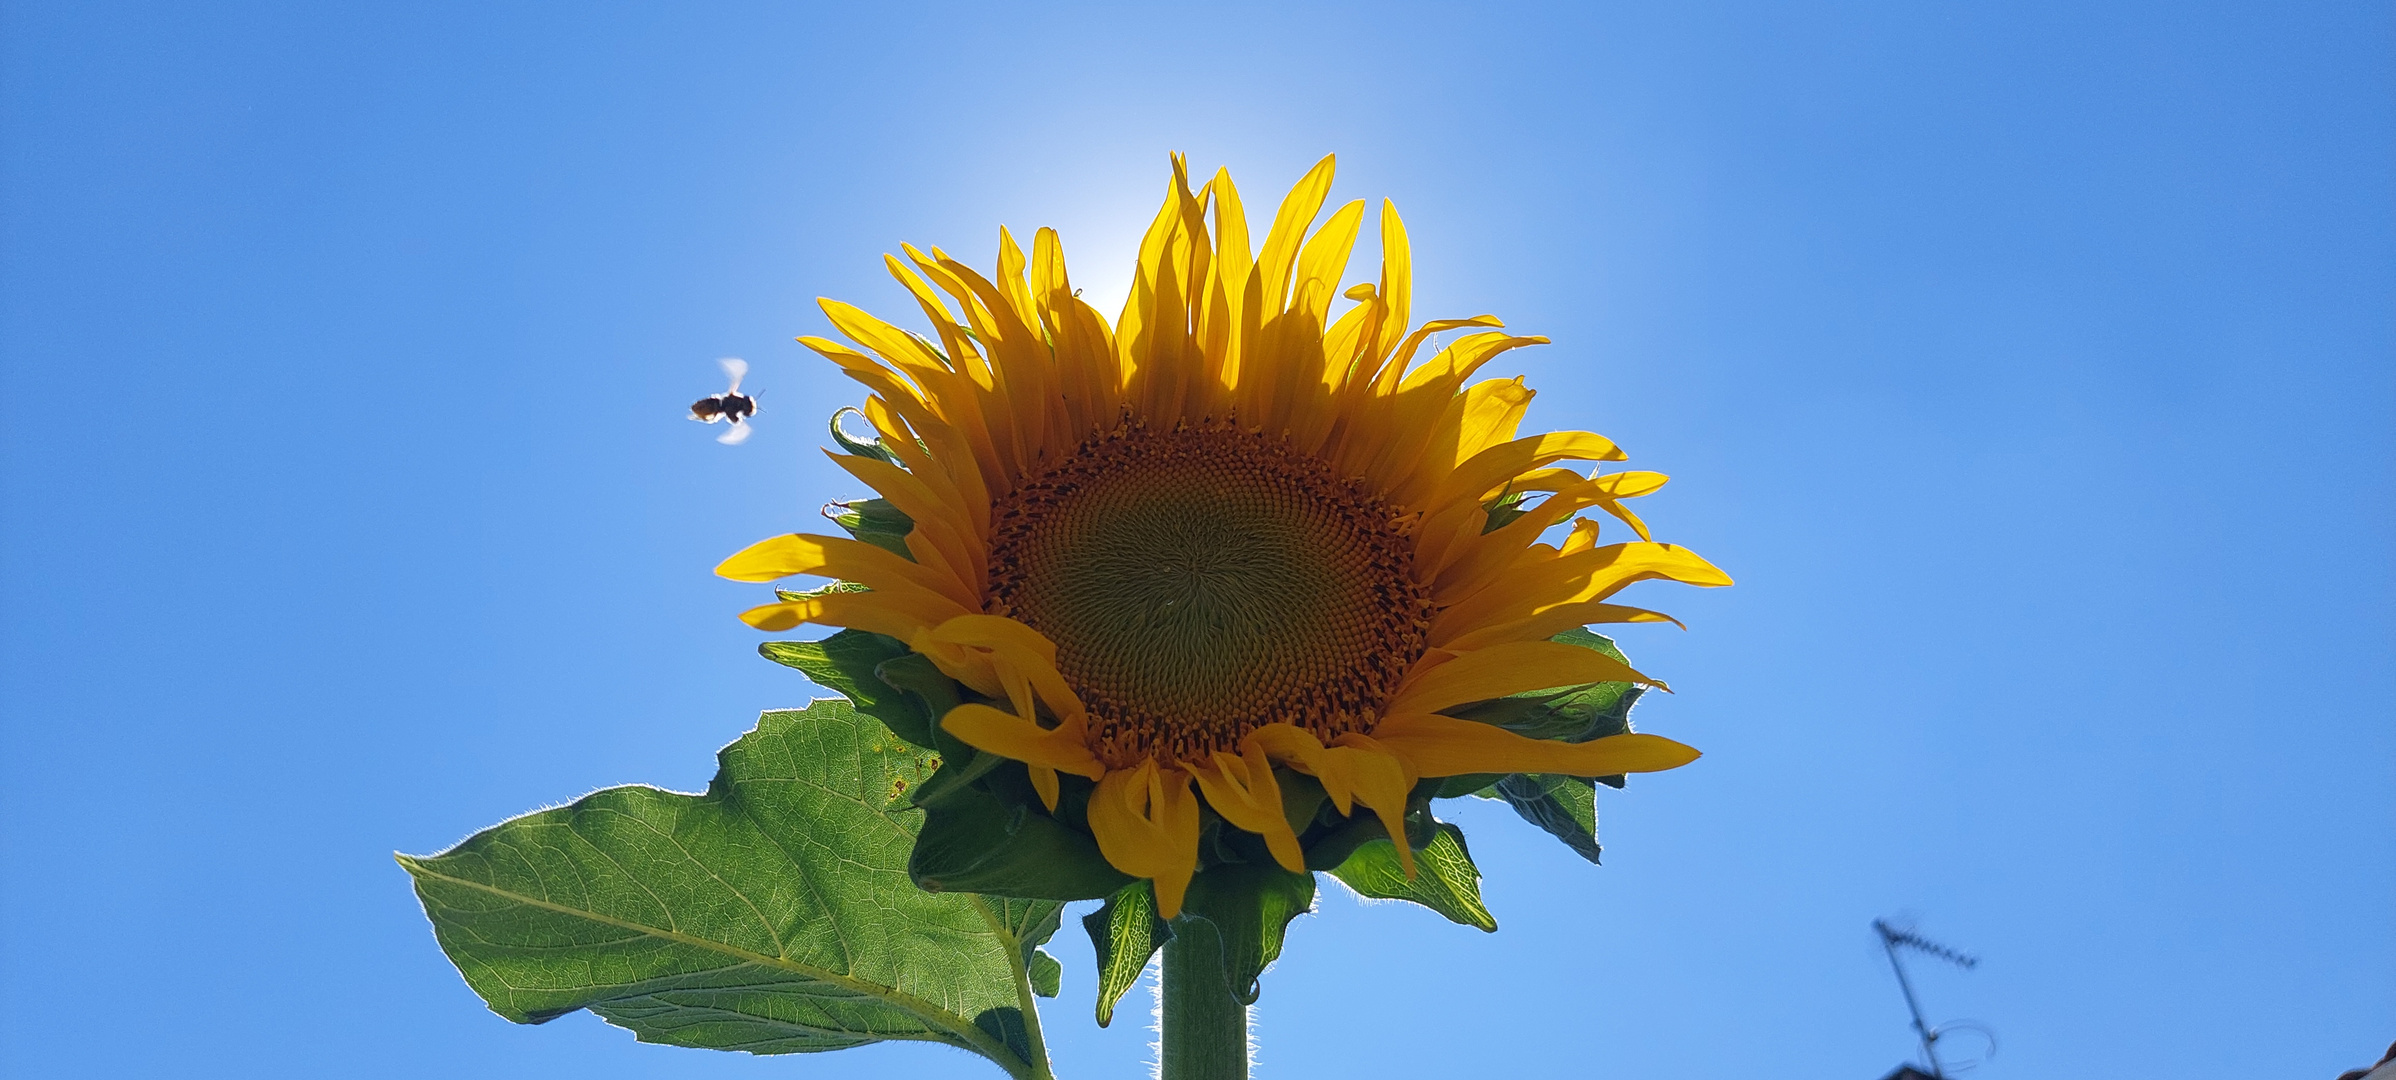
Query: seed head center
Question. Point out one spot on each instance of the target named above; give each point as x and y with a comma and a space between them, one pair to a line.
1203, 581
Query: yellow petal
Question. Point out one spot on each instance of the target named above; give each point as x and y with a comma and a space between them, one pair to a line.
1428, 415
839, 557
1511, 668
940, 520
1178, 816
1063, 748
1556, 620
1491, 467
1018, 652
1242, 789
1588, 574
1493, 409
998, 632
1397, 278
1146, 823
1299, 749
1378, 779
941, 462
872, 612
1464, 356
1475, 561
1583, 537
1325, 260
1446, 746
1394, 371
1297, 212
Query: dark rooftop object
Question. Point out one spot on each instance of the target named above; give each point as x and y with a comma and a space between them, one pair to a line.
1890, 939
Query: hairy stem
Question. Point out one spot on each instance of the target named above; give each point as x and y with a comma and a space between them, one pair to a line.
1205, 1034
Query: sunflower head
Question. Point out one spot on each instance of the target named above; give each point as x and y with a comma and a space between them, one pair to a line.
1236, 583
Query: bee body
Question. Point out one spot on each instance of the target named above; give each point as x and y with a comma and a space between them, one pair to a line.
731, 406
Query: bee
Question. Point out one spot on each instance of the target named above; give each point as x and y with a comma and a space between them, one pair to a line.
731, 406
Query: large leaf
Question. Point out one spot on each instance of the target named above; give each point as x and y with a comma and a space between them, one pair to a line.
1125, 935
1445, 879
772, 914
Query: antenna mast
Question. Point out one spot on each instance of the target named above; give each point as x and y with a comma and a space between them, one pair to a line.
1890, 938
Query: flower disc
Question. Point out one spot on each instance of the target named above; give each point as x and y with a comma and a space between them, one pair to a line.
1202, 581
1241, 530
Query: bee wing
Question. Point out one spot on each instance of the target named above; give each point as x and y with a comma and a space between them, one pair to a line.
735, 369
738, 435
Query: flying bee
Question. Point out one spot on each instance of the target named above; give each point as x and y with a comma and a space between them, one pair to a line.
731, 406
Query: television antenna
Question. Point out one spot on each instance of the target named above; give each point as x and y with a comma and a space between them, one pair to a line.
1890, 939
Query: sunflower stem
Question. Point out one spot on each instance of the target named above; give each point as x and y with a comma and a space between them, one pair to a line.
1204, 1032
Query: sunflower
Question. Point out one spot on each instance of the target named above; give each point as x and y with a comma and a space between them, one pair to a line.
1227, 533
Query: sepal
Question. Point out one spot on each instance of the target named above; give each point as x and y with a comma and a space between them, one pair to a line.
1565, 806
871, 448
876, 522
1125, 934
847, 663
973, 841
1445, 879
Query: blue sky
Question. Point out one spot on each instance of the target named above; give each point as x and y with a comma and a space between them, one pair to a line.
2032, 366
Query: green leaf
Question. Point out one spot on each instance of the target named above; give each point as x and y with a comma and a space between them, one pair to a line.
1566, 806
1125, 934
845, 663
876, 522
1446, 881
972, 841
1047, 974
772, 914
1250, 906
1033, 922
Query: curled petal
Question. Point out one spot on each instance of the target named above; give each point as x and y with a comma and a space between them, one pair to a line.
1491, 467
1064, 748
875, 613
1146, 823
1242, 789
994, 655
1299, 749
